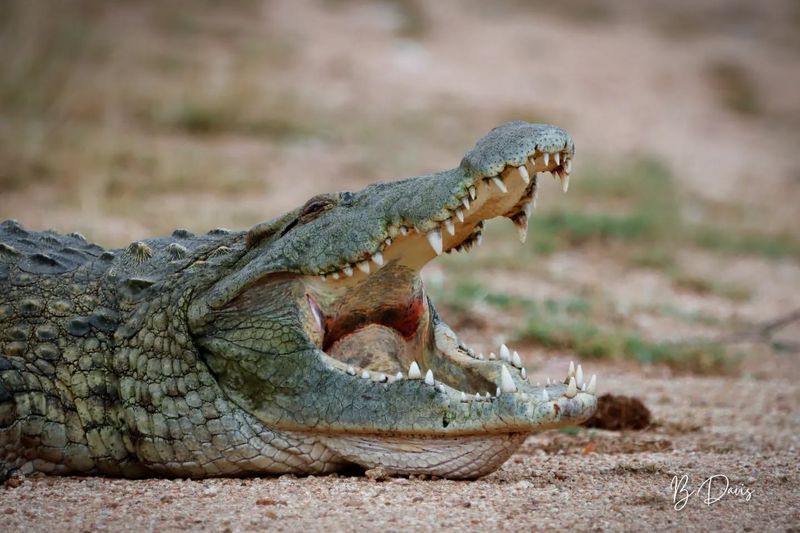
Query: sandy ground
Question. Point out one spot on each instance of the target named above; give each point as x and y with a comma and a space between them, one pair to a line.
743, 429
634, 80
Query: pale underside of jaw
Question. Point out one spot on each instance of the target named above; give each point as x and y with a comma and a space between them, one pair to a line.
461, 457
512, 193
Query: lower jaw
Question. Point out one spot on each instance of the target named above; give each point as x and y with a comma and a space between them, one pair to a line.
452, 457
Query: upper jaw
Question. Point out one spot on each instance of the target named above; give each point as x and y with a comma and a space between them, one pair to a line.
486, 186
409, 221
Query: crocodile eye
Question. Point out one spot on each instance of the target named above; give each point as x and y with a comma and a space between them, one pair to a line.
315, 206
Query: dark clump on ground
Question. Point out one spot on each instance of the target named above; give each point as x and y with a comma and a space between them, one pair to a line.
616, 412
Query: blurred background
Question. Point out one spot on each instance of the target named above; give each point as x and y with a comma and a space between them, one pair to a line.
676, 245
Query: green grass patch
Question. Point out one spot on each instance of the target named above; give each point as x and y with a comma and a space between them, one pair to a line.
211, 118
590, 341
640, 202
574, 228
706, 286
639, 206
741, 243
656, 258
466, 294
572, 324
736, 89
645, 182
693, 317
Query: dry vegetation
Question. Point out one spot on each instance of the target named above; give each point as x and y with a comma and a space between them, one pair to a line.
127, 119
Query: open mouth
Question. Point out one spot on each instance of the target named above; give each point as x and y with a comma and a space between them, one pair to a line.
372, 317
376, 375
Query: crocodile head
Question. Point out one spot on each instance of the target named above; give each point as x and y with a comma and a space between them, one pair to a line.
324, 328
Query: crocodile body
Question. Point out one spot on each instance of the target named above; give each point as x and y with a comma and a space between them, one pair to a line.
304, 345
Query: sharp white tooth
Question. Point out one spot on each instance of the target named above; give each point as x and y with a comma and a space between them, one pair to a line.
429, 377
506, 382
568, 165
548, 381
463, 396
317, 313
523, 374
571, 371
523, 173
435, 240
492, 356
378, 258
579, 375
351, 370
565, 182
365, 375
403, 230
497, 180
335, 275
592, 387
546, 157
488, 396
497, 392
322, 276
480, 356
535, 196
382, 377
460, 215
363, 266
398, 376
348, 271
527, 208
479, 239
413, 371
451, 228
505, 354
472, 192
557, 158
465, 203
583, 387
521, 223
388, 241
516, 360
572, 390
478, 396
545, 396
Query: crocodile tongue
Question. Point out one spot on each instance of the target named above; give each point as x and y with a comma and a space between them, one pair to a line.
374, 347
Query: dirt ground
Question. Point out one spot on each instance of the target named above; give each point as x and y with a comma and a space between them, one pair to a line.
129, 121
743, 429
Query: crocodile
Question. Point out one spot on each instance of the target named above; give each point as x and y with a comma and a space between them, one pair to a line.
304, 345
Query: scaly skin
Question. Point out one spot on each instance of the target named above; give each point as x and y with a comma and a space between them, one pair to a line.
298, 346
